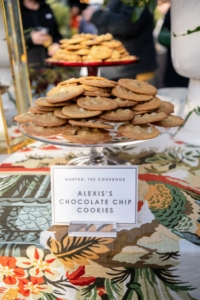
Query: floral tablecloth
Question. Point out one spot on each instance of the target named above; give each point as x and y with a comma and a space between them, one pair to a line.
157, 259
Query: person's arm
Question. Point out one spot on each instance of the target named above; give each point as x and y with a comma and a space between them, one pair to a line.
35, 38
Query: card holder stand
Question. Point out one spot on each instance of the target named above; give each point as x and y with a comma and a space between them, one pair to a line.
92, 229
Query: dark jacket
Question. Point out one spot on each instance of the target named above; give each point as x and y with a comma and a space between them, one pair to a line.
137, 37
34, 19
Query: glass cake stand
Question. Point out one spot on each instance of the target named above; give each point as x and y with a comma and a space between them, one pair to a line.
92, 67
96, 156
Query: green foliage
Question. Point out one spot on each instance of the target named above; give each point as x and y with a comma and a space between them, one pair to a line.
112, 288
137, 13
139, 7
170, 280
151, 5
48, 297
91, 294
42, 78
62, 15
188, 32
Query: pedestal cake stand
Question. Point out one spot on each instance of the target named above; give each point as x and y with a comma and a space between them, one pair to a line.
92, 67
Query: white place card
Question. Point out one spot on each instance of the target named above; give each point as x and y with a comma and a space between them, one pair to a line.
94, 193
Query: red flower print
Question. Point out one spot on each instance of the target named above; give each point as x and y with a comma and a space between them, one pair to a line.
32, 286
50, 147
101, 291
179, 142
8, 271
38, 264
83, 281
36, 254
16, 131
25, 150
6, 261
76, 278
76, 274
140, 204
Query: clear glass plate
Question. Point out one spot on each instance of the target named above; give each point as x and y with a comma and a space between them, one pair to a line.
116, 140
97, 156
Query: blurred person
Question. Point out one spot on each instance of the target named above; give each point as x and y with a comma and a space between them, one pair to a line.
41, 31
171, 77
87, 27
76, 22
74, 18
42, 41
137, 38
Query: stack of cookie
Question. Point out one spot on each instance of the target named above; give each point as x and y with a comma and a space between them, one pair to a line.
91, 48
91, 110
